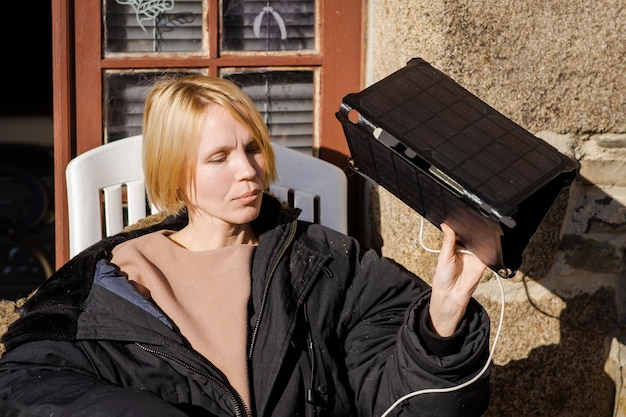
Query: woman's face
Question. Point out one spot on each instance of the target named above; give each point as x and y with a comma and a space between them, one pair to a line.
230, 172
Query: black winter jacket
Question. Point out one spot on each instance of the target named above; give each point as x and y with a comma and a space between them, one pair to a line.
332, 333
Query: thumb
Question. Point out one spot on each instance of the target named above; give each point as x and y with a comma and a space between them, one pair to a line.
448, 245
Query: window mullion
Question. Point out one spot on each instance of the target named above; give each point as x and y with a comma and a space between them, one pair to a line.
213, 27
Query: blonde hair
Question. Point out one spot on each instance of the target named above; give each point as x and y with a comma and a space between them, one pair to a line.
172, 131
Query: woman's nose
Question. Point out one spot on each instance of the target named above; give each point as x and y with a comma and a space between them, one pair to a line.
246, 165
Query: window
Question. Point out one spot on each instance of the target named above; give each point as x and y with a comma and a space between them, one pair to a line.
284, 25
284, 96
152, 26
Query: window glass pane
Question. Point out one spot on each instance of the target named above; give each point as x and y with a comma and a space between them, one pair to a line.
125, 95
278, 25
153, 25
285, 99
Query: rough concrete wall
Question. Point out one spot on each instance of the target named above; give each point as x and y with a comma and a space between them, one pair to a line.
548, 65
556, 68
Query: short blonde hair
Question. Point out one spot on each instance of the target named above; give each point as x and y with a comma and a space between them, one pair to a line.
172, 131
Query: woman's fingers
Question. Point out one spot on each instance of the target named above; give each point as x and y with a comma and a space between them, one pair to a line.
448, 245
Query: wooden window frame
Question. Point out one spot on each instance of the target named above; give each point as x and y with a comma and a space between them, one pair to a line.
78, 67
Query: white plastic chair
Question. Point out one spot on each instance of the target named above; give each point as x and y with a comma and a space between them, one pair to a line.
106, 191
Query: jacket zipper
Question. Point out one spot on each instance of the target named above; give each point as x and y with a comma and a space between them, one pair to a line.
283, 249
234, 397
312, 394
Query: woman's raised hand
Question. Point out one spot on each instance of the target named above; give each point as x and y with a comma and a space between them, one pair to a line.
456, 277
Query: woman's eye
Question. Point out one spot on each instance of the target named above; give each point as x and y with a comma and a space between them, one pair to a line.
254, 149
216, 159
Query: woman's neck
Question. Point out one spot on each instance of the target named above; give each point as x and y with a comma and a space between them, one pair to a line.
198, 238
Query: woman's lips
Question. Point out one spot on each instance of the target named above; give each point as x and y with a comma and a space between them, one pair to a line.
248, 197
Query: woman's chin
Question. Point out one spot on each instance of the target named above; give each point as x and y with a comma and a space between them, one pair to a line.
247, 215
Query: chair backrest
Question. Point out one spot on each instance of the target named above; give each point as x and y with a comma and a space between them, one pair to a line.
106, 190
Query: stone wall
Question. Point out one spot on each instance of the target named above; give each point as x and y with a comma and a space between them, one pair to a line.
556, 68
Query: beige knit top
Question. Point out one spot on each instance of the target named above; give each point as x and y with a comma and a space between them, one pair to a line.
205, 293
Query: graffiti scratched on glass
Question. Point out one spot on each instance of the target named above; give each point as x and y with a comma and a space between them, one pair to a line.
148, 9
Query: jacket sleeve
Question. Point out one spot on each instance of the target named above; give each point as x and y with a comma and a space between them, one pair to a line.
54, 386
388, 353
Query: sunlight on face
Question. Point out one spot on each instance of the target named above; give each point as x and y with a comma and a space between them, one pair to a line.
230, 172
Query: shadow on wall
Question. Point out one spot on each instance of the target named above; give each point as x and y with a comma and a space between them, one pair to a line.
568, 378
565, 379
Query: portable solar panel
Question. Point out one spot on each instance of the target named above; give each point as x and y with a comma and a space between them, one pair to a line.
454, 159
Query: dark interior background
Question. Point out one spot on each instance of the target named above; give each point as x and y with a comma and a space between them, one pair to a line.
27, 58
26, 153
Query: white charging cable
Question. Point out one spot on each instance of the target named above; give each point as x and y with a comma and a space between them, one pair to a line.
493, 348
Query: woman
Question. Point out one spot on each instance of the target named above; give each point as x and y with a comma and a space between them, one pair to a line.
230, 306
